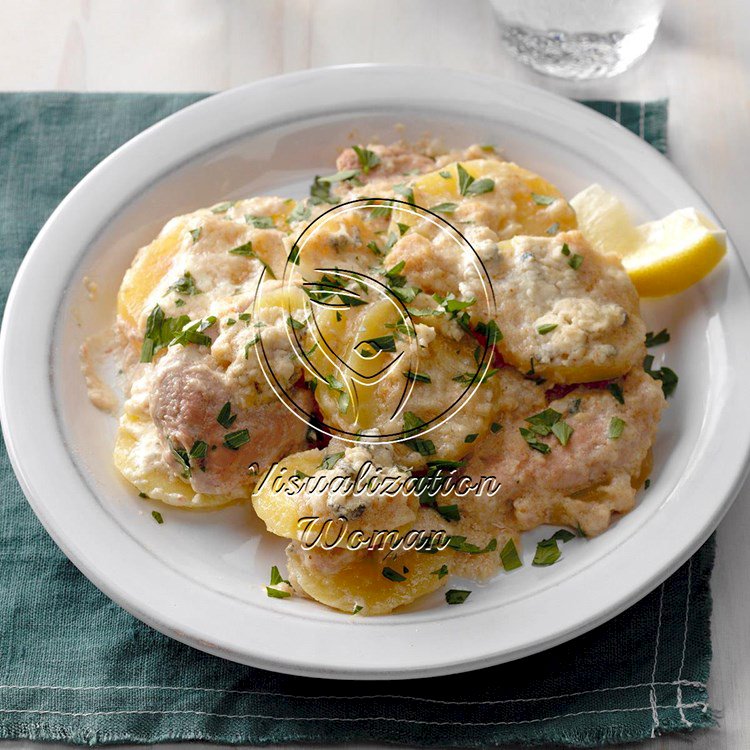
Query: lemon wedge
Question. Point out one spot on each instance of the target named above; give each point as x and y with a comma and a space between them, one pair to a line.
661, 257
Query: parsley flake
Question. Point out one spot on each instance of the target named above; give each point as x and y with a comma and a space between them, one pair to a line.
542, 200
185, 285
393, 575
367, 159
441, 572
616, 426
235, 440
225, 417
444, 208
509, 556
655, 339
456, 596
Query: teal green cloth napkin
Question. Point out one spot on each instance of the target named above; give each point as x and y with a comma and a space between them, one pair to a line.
74, 667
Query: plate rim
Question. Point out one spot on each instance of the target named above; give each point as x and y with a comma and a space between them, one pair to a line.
179, 630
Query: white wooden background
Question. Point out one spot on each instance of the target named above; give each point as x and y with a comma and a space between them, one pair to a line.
701, 61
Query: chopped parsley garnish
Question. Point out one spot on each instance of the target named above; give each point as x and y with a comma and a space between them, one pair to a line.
647, 484
196, 234
417, 377
509, 556
222, 208
330, 461
337, 385
357, 609
367, 159
449, 512
300, 212
393, 575
398, 284
423, 446
616, 392
379, 344
616, 426
403, 228
467, 378
143, 495
193, 333
405, 192
295, 324
533, 441
199, 449
575, 261
471, 438
444, 208
244, 249
225, 417
383, 210
179, 302
543, 330
547, 550
185, 285
441, 572
277, 593
181, 456
655, 339
320, 192
260, 222
468, 185
456, 596
565, 250
495, 427
157, 516
445, 174
490, 331
544, 423
161, 332
235, 440
373, 246
453, 305
276, 578
562, 431
542, 200
394, 273
250, 344
668, 377
459, 544
342, 176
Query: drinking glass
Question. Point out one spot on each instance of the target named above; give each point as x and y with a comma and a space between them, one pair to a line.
579, 39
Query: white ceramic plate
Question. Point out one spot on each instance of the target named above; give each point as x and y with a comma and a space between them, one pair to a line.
199, 577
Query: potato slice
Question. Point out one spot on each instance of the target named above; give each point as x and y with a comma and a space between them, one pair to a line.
361, 581
578, 318
519, 202
135, 447
149, 267
279, 511
427, 377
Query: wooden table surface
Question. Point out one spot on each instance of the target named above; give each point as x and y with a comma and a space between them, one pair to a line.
701, 61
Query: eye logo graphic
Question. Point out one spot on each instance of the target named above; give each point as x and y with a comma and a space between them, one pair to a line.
355, 323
